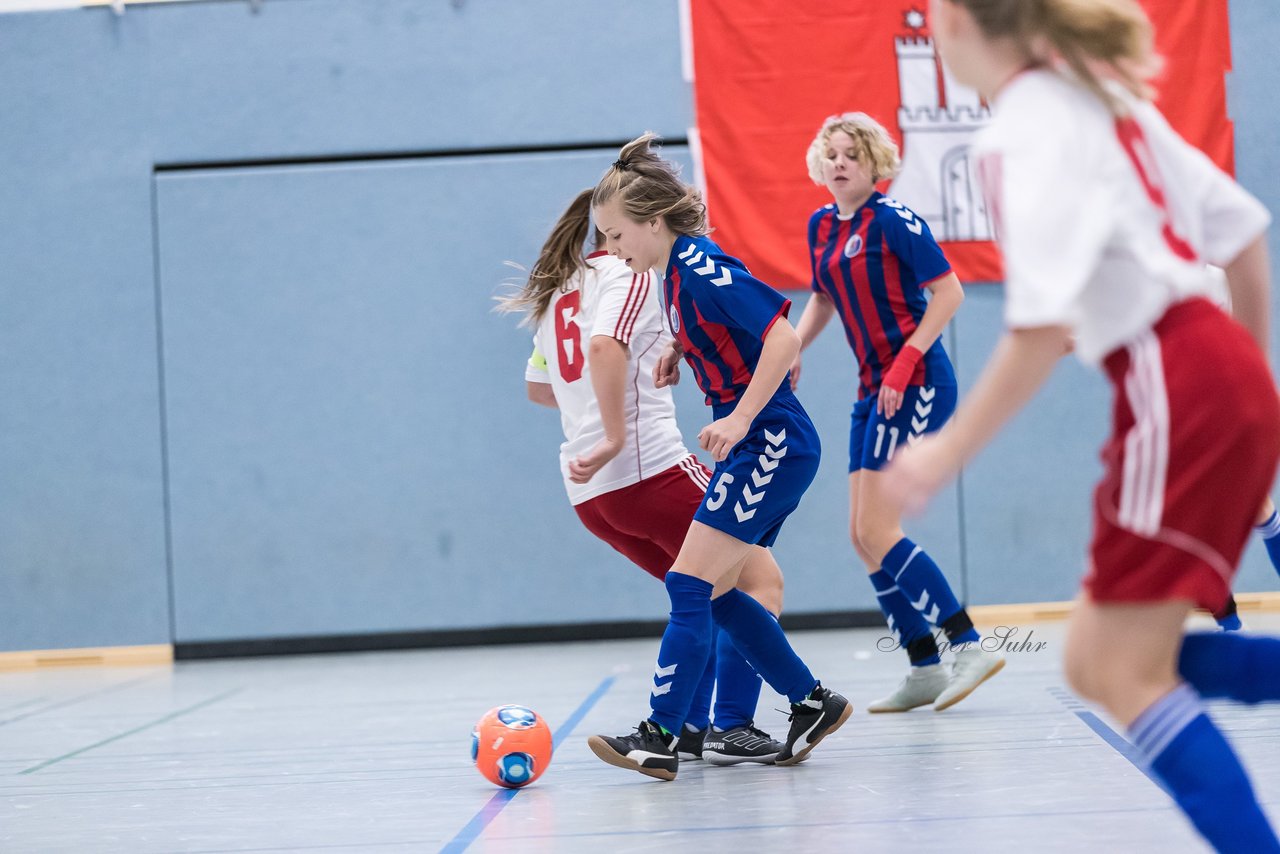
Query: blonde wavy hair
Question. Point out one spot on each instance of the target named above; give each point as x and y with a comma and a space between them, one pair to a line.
876, 148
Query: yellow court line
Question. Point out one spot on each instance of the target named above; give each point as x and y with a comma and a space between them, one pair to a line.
996, 615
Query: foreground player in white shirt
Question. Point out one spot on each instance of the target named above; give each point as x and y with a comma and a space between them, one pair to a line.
1107, 219
629, 476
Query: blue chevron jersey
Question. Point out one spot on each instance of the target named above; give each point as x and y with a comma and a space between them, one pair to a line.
874, 266
721, 314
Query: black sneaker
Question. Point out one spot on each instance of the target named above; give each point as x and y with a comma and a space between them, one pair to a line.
813, 719
741, 744
689, 747
647, 750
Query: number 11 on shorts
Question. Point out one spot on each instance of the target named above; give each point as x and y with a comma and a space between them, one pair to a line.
893, 441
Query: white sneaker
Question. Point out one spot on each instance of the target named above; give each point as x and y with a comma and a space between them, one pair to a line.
972, 667
920, 688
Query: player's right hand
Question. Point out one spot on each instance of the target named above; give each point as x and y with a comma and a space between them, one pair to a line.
584, 467
666, 371
795, 372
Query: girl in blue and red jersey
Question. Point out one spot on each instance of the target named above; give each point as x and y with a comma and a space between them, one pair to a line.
732, 330
872, 260
626, 470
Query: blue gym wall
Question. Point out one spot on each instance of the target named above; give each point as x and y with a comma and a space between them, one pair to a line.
252, 384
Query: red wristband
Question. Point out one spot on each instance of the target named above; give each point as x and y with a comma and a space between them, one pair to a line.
898, 377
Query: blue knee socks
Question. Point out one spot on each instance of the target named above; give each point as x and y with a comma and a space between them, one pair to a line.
757, 635
737, 685
1270, 533
905, 621
1199, 769
699, 716
927, 590
686, 645
1245, 668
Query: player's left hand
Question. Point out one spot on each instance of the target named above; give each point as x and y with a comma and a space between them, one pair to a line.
918, 472
584, 467
721, 435
889, 402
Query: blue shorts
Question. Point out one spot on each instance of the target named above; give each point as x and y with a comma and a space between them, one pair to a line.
755, 488
873, 438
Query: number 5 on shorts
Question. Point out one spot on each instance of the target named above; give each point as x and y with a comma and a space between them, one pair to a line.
721, 491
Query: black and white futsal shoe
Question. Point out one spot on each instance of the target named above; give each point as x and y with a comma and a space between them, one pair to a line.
813, 719
740, 744
689, 747
648, 750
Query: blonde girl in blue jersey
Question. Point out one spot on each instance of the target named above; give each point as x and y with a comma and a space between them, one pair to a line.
733, 331
872, 261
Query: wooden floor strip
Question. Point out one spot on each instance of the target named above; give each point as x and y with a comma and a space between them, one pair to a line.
110, 656
1003, 615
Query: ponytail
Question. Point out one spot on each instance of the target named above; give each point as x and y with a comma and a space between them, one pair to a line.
560, 258
649, 187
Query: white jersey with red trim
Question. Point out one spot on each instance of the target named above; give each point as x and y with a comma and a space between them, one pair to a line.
1104, 222
608, 299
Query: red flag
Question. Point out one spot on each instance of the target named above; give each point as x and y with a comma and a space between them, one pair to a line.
766, 74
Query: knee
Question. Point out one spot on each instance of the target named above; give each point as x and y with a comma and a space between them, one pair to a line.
770, 599
1082, 676
870, 541
766, 588
1119, 687
863, 555
853, 536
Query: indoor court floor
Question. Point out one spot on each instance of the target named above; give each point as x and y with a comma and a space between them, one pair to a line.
370, 752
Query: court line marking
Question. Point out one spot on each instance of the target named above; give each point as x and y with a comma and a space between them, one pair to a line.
502, 797
107, 690
1118, 743
23, 703
146, 726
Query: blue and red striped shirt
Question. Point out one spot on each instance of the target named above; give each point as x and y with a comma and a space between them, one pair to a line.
720, 314
874, 266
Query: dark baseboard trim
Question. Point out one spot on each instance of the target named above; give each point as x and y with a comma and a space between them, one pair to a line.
196, 650
427, 154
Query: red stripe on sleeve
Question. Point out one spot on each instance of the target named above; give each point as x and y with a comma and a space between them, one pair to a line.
620, 326
639, 306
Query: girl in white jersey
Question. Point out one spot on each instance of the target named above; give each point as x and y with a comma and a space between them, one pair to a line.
628, 474
1107, 220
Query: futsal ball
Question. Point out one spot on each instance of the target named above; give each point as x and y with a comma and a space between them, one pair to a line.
511, 746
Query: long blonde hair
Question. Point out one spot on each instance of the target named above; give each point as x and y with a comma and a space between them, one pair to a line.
560, 258
876, 148
649, 187
1097, 40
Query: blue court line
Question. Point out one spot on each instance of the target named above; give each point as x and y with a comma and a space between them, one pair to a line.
502, 797
147, 726
1118, 742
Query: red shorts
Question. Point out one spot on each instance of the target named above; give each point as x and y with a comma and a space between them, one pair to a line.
647, 521
1193, 450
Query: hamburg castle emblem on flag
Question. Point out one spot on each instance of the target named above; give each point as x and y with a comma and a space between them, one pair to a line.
938, 118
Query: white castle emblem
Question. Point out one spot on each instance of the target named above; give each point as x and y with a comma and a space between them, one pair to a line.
938, 179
